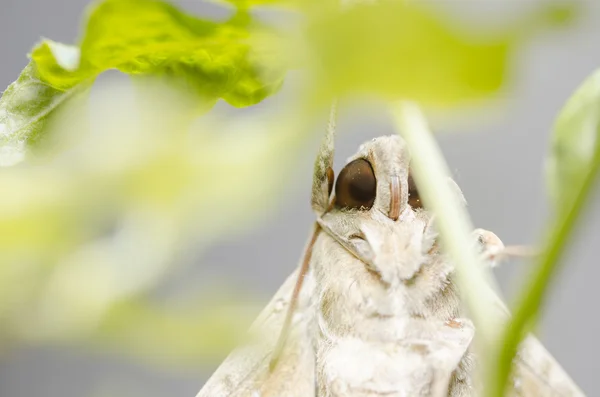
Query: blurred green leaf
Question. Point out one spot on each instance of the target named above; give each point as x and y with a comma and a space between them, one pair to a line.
575, 142
403, 50
289, 4
253, 3
560, 13
176, 336
141, 37
416, 51
574, 164
105, 220
26, 106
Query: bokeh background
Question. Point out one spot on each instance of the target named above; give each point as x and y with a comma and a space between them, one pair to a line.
497, 159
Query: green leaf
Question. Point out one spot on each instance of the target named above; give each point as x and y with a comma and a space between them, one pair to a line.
411, 50
403, 50
149, 37
28, 103
141, 38
575, 142
254, 3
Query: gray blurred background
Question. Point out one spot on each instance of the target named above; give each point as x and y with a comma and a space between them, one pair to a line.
497, 161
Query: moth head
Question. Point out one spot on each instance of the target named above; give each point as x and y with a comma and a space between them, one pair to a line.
377, 178
376, 212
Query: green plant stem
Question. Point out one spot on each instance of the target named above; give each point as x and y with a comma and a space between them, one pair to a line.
534, 292
452, 221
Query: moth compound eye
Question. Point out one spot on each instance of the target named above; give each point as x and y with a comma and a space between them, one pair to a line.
356, 186
414, 199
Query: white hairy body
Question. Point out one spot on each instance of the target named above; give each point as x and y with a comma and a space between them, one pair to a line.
378, 314
372, 338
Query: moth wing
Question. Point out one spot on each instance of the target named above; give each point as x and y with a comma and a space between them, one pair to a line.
537, 373
245, 372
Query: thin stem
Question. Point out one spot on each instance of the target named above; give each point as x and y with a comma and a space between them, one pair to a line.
533, 294
431, 172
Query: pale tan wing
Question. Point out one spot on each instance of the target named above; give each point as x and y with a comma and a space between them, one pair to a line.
245, 372
536, 373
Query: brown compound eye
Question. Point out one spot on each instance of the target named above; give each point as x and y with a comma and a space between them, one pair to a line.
356, 186
414, 199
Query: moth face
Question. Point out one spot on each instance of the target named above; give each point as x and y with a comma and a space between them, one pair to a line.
377, 212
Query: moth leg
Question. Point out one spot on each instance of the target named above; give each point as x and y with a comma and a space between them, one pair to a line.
323, 175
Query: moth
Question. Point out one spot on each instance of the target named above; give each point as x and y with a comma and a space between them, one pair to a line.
373, 310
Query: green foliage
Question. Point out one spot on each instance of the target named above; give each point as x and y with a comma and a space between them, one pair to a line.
575, 143
574, 164
141, 37
252, 3
100, 225
403, 50
25, 107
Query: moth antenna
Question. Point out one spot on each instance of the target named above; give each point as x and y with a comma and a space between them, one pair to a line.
323, 176
323, 179
285, 330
